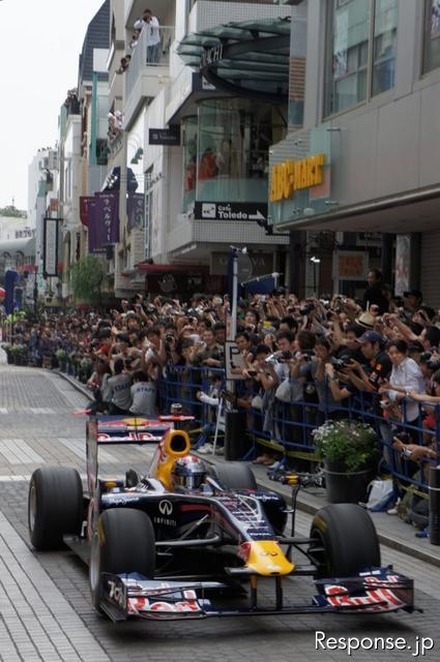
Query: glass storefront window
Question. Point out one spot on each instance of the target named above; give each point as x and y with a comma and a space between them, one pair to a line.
432, 36
356, 53
226, 151
384, 51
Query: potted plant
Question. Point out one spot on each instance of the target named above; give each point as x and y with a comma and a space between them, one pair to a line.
349, 452
61, 359
19, 353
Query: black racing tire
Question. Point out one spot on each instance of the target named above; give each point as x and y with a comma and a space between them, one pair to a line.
123, 542
344, 541
55, 506
235, 476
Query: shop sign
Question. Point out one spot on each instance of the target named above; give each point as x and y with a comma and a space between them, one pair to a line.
231, 211
291, 176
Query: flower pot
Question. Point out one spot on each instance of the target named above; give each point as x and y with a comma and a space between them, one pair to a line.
347, 487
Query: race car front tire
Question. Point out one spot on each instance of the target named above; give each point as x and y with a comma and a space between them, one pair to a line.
55, 506
235, 476
344, 541
123, 542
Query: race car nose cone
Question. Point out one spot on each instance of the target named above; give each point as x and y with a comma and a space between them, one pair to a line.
265, 557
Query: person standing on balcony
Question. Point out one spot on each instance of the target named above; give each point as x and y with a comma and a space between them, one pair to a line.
150, 24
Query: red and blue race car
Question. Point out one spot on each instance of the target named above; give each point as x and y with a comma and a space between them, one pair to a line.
186, 540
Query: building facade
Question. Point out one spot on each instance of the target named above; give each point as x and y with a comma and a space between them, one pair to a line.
365, 158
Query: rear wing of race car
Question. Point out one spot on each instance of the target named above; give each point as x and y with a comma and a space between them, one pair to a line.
106, 430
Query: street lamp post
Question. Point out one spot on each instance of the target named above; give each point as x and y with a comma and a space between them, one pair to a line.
316, 261
234, 303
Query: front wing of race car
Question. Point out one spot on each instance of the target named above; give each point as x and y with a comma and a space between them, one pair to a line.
377, 591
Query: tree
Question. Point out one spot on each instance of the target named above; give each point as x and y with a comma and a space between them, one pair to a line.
87, 278
11, 211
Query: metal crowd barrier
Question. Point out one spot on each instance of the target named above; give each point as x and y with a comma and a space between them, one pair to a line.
285, 428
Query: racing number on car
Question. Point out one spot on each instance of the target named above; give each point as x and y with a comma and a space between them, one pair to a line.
116, 593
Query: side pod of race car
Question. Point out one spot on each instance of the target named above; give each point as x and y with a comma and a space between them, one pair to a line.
188, 540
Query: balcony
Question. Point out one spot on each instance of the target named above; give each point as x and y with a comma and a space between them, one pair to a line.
148, 70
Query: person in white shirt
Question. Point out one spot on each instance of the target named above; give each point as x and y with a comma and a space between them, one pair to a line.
406, 378
143, 395
150, 24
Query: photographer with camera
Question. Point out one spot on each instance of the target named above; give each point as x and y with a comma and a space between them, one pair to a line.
326, 380
265, 380
376, 367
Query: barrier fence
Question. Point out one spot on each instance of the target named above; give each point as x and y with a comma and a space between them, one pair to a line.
285, 428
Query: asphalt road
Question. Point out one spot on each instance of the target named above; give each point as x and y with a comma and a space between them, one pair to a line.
45, 609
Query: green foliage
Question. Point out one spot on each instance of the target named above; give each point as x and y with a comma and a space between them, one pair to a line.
16, 316
87, 279
19, 349
12, 212
352, 442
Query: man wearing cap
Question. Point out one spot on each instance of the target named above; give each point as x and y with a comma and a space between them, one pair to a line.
378, 364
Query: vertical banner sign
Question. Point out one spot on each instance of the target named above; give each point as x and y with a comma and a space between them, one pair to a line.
93, 235
50, 255
84, 201
107, 217
135, 210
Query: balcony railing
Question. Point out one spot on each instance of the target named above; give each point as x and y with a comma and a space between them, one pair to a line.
147, 57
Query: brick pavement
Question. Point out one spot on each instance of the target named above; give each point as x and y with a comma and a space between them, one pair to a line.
36, 621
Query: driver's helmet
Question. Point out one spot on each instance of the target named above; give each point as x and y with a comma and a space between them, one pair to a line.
189, 473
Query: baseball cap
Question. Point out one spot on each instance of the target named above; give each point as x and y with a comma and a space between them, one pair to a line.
414, 293
370, 336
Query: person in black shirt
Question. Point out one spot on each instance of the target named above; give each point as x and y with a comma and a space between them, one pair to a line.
377, 367
375, 295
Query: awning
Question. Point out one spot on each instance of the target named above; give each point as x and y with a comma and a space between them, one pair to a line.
249, 59
26, 246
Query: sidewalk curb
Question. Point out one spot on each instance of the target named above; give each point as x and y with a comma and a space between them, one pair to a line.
304, 505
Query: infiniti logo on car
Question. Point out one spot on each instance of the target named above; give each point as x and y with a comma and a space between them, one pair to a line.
165, 507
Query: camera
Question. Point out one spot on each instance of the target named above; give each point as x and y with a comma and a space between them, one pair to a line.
434, 364
285, 355
252, 373
341, 362
306, 309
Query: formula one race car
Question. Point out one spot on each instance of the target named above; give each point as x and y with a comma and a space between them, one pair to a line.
188, 541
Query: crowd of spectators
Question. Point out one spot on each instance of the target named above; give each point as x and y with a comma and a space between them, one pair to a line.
300, 362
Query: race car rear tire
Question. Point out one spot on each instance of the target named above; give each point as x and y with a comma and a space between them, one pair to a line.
344, 541
123, 542
235, 476
55, 506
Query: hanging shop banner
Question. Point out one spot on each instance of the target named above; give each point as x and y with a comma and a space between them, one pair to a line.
50, 253
94, 239
103, 221
84, 201
135, 210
